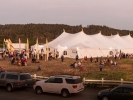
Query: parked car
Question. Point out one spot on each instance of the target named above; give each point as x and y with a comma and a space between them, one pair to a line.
12, 80
121, 92
60, 84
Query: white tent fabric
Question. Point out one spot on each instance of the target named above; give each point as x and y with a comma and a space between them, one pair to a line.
90, 45
129, 39
16, 46
40, 47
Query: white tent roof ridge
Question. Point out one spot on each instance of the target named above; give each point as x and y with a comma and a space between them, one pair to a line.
91, 45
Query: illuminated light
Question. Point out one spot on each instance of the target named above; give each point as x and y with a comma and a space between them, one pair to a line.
110, 48
41, 46
65, 47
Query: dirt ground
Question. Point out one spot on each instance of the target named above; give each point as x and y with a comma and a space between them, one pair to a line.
56, 67
53, 67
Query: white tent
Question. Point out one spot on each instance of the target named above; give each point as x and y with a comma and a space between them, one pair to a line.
17, 47
40, 48
129, 39
89, 45
122, 44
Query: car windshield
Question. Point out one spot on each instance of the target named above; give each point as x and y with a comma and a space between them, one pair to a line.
112, 89
74, 81
24, 77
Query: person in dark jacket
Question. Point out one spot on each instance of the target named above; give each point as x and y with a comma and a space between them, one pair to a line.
101, 67
62, 58
39, 68
77, 57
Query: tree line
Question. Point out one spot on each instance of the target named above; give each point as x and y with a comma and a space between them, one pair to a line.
50, 31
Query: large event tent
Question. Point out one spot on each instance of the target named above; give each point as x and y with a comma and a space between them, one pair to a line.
89, 45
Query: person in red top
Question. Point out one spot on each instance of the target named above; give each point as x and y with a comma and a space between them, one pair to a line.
25, 61
85, 58
19, 62
1, 69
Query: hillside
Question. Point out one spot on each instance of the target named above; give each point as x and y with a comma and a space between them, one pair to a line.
49, 31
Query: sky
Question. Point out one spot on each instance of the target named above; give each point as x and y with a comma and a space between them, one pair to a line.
116, 14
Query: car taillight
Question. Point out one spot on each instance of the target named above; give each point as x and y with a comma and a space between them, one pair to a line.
18, 83
74, 86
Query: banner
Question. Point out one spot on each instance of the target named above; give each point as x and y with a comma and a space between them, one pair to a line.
27, 48
19, 46
47, 50
37, 51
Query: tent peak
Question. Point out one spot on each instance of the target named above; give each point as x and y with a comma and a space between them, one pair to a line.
118, 33
64, 30
82, 30
100, 32
129, 34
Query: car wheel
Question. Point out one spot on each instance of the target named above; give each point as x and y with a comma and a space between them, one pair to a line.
9, 88
105, 98
65, 93
39, 90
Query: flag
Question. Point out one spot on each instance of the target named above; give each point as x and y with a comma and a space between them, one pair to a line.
37, 51
47, 50
19, 46
10, 41
27, 48
9, 46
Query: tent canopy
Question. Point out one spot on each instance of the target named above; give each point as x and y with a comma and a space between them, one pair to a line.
91, 45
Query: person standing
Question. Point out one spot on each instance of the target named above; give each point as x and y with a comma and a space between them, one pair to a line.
97, 58
100, 67
25, 61
62, 58
39, 68
115, 56
91, 59
41, 56
77, 57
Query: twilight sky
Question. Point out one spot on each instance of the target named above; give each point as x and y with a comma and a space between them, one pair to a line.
112, 13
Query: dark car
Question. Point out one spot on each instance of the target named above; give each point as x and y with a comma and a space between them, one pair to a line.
12, 80
121, 92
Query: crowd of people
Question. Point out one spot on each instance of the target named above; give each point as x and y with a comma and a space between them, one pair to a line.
20, 59
16, 57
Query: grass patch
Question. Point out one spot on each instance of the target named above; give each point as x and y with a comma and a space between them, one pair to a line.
126, 61
107, 75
